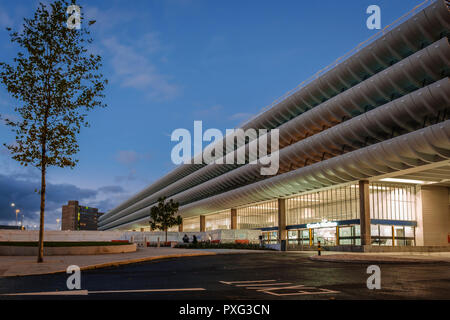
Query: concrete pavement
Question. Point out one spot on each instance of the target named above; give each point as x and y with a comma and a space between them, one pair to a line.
26, 266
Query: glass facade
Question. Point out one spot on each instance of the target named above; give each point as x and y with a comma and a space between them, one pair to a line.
263, 215
191, 224
340, 203
392, 201
331, 216
218, 221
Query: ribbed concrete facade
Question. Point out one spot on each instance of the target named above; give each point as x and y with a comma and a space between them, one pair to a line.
382, 112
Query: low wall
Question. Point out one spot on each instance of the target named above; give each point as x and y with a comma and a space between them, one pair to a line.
224, 236
60, 236
66, 251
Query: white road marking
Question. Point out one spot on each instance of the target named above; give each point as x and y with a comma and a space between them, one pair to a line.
300, 291
52, 293
148, 290
86, 292
271, 287
253, 281
263, 285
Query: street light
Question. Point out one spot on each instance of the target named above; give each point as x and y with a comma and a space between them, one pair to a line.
17, 212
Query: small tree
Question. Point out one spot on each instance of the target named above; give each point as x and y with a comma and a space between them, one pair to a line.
55, 82
162, 216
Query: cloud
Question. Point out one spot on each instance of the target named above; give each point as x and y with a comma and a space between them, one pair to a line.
241, 116
208, 112
127, 157
22, 192
5, 19
133, 67
131, 176
111, 189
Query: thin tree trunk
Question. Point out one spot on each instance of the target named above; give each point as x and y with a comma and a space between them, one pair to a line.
166, 236
41, 226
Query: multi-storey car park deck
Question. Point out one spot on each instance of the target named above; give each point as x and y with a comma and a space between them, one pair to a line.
364, 152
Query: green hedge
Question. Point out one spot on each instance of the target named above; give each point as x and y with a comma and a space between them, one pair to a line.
62, 244
206, 245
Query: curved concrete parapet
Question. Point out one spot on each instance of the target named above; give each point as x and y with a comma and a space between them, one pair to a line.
67, 251
405, 115
421, 30
399, 79
425, 146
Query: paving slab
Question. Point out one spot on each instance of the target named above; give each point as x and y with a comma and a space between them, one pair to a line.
26, 266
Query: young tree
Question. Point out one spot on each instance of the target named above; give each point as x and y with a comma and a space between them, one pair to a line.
55, 81
163, 215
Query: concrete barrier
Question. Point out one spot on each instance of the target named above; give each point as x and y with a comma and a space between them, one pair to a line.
60, 236
66, 251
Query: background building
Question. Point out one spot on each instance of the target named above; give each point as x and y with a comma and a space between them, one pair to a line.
364, 153
77, 217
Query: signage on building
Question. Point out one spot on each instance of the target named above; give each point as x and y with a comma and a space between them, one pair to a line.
323, 224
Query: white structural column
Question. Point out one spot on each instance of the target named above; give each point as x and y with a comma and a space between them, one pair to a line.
364, 211
234, 225
202, 223
435, 216
282, 232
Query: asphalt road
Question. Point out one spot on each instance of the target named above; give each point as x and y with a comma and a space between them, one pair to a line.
256, 276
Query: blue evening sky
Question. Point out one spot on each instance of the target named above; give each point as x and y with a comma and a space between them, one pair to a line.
170, 63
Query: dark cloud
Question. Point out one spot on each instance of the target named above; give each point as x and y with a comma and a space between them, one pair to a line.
111, 189
22, 192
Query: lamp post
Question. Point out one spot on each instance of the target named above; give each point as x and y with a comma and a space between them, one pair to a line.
13, 206
17, 213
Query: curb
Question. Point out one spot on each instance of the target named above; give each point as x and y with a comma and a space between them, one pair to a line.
117, 263
376, 261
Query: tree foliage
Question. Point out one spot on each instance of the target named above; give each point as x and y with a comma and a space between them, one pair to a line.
55, 81
162, 216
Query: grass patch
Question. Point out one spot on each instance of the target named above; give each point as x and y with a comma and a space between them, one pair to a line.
205, 245
61, 244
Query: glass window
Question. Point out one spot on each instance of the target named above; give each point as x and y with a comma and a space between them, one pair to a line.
374, 230
385, 231
357, 229
263, 215
409, 232
218, 221
339, 203
392, 201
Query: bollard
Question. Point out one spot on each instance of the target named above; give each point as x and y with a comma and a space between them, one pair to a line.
319, 249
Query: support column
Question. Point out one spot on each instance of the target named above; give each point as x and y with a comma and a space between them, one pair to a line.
180, 227
234, 225
282, 232
364, 211
202, 223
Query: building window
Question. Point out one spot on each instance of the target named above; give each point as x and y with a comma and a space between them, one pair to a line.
341, 203
392, 201
263, 215
218, 221
191, 224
